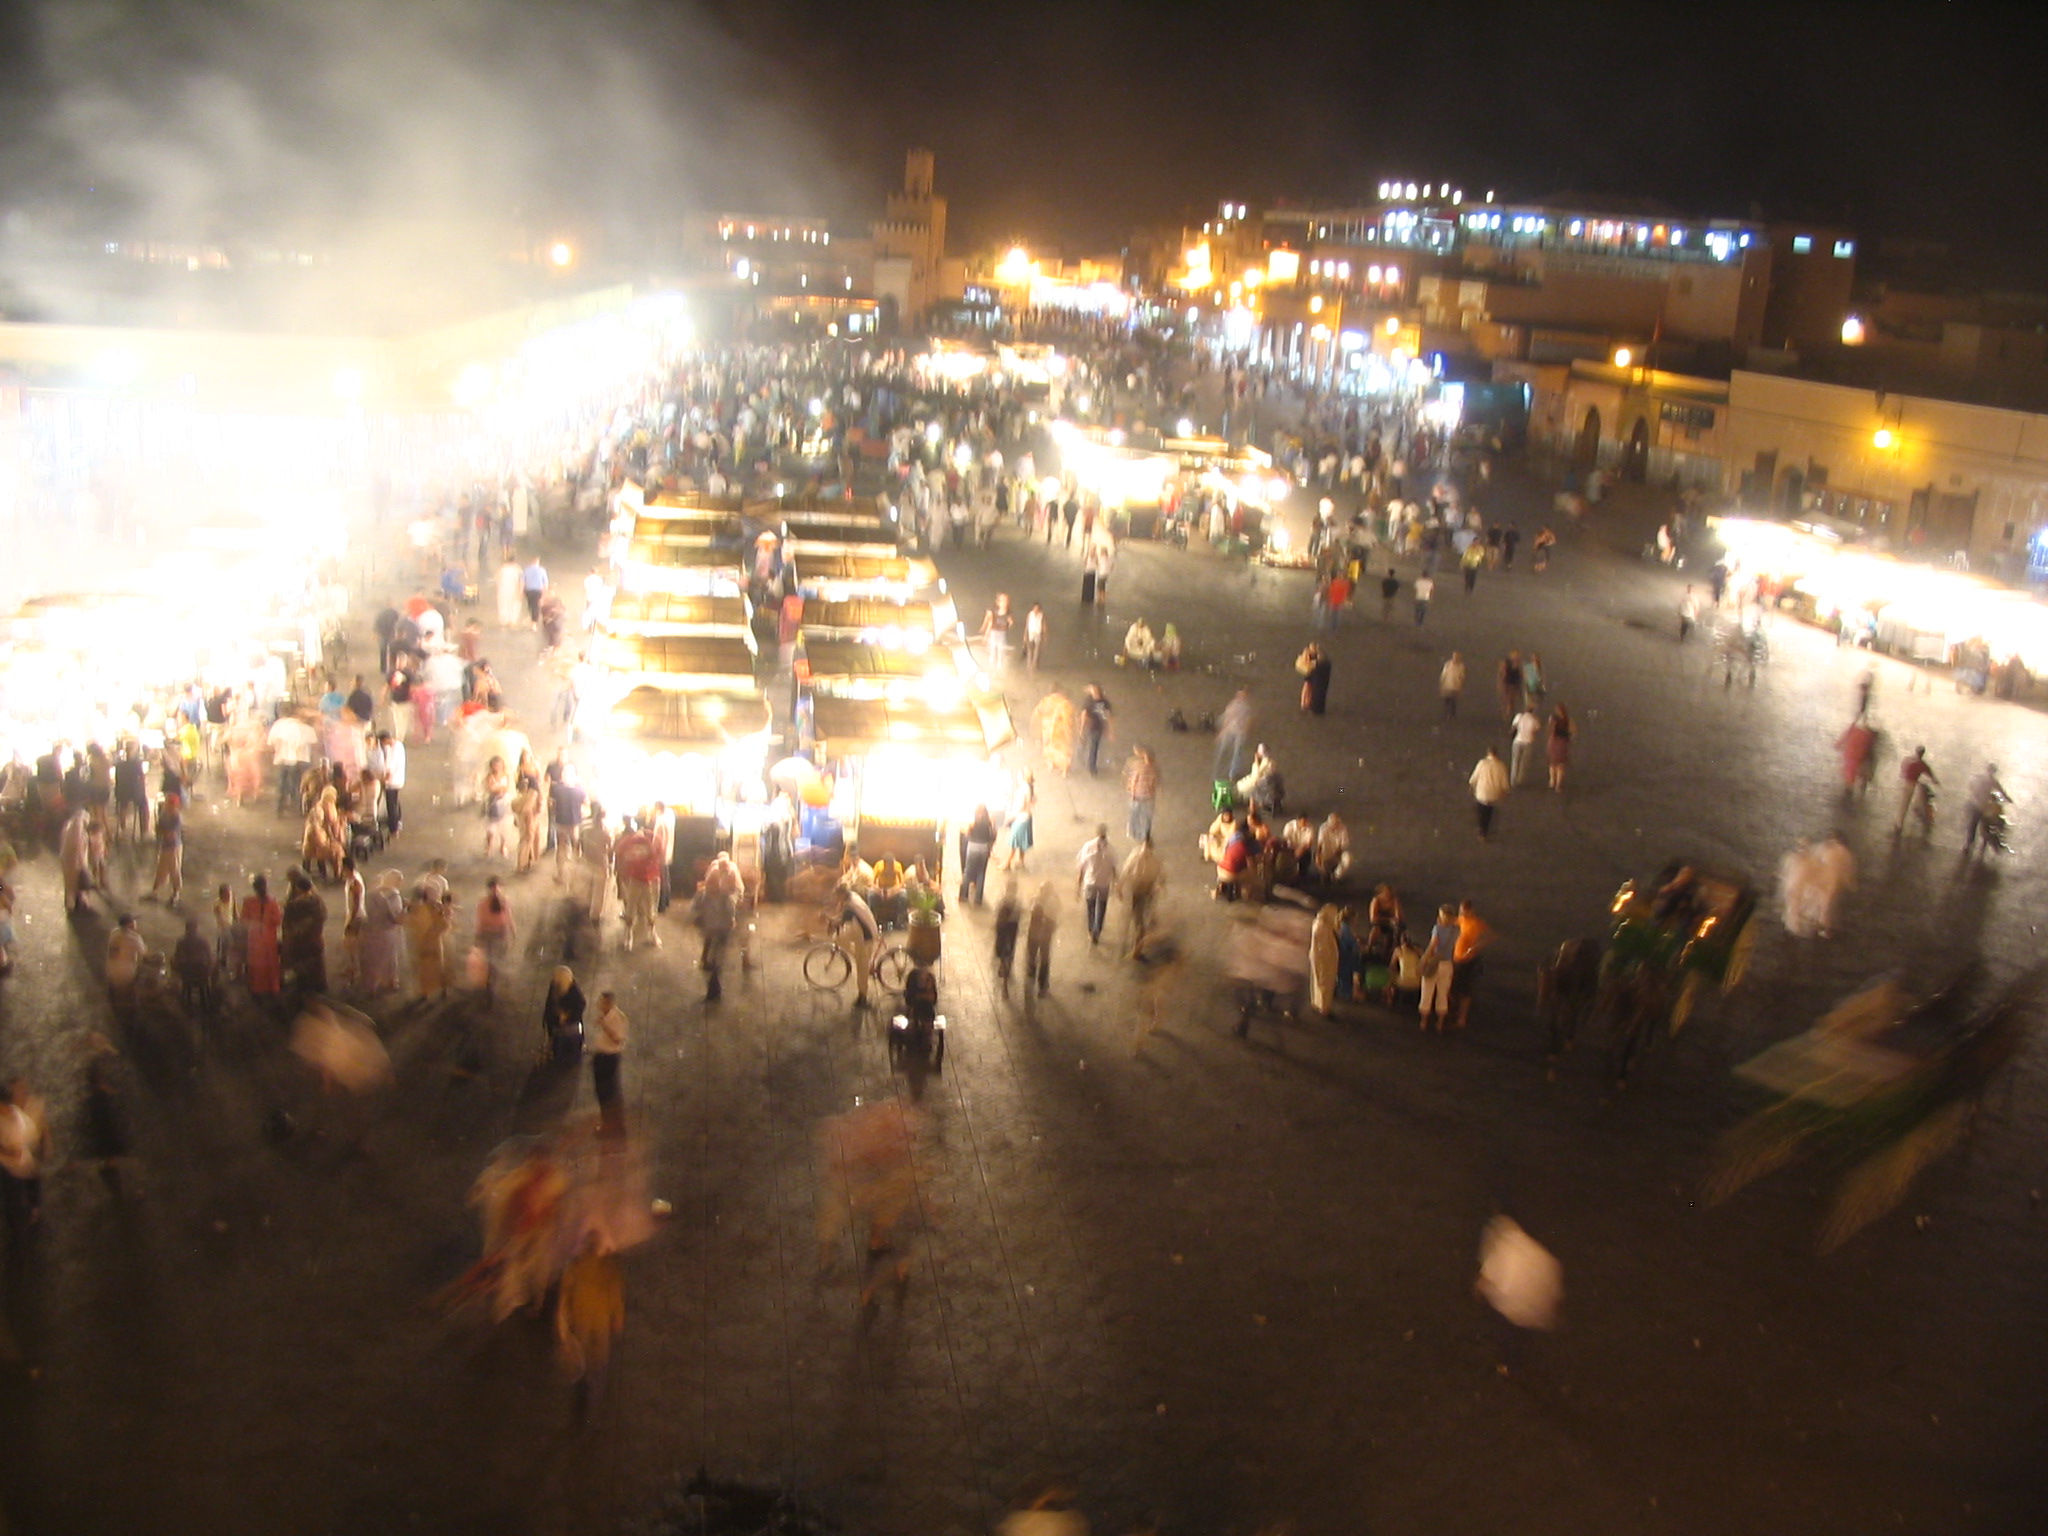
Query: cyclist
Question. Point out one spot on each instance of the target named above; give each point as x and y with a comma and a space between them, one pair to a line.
854, 927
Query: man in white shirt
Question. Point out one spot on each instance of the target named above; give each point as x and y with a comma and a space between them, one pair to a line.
1095, 878
1489, 787
1527, 726
291, 742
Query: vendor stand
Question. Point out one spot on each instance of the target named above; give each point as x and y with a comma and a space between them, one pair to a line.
903, 770
703, 756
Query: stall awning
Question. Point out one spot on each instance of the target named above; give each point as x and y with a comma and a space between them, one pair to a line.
851, 617
683, 557
875, 538
660, 715
671, 613
851, 726
832, 663
690, 504
677, 660
685, 528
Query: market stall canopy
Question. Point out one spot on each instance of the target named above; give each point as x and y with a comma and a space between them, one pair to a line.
864, 545
650, 715
797, 510
869, 618
673, 613
877, 536
882, 574
682, 504
848, 727
723, 663
686, 528
863, 669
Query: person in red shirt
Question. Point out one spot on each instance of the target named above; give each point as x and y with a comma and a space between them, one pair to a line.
1339, 598
638, 869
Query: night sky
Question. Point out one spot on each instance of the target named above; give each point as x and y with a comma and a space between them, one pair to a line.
1061, 121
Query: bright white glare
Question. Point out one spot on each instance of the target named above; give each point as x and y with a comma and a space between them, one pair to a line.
561, 253
1185, 427
348, 384
117, 367
472, 386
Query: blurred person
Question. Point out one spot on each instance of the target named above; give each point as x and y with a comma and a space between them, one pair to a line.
1095, 874
1034, 638
995, 632
510, 604
109, 1135
1019, 834
1834, 876
1858, 748
608, 1031
1056, 722
871, 1179
74, 859
426, 926
566, 801
854, 928
1467, 962
1558, 752
355, 894
1333, 850
638, 868
494, 928
170, 849
302, 942
1525, 728
977, 842
1141, 784
716, 912
262, 922
561, 1018
1008, 922
594, 849
126, 952
24, 1146
1489, 783
496, 793
1095, 725
1041, 926
1917, 779
343, 1047
1322, 960
1140, 880
387, 761
1233, 729
1313, 666
1450, 683
383, 935
590, 1313
1981, 801
1519, 1278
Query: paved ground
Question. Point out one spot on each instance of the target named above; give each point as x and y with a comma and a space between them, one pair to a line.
1226, 1284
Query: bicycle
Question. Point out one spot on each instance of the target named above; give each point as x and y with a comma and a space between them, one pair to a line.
828, 965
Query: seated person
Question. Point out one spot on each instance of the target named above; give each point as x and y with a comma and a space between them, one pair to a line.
921, 995
888, 892
1169, 649
1238, 857
1140, 646
1333, 849
1262, 787
1218, 837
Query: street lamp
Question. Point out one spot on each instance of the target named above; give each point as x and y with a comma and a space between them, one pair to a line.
561, 253
1883, 438
1852, 331
1623, 357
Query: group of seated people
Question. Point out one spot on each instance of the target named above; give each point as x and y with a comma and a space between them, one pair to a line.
888, 886
1144, 650
1251, 859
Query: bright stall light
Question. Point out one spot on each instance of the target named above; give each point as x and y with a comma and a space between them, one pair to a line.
561, 253
1852, 331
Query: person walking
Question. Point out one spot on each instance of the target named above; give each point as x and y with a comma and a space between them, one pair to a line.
995, 633
1095, 879
1141, 783
1450, 683
607, 1046
262, 919
494, 929
1559, 750
638, 868
170, 848
1232, 731
1095, 716
716, 911
1313, 666
1140, 879
1425, 589
1034, 638
977, 843
1390, 589
590, 1314
1509, 684
1526, 726
1489, 783
1688, 615
1916, 778
1439, 954
566, 799
1040, 925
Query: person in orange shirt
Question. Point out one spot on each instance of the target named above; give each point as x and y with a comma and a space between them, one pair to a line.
1473, 937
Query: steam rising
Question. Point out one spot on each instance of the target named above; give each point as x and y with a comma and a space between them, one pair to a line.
412, 145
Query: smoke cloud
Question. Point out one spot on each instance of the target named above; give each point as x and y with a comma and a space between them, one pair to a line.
413, 146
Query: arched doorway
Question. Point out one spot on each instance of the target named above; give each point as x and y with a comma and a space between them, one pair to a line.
1635, 455
1587, 453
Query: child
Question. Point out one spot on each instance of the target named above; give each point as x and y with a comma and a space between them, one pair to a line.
227, 933
1009, 915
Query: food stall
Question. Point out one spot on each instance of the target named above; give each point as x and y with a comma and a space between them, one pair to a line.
703, 755
904, 770
672, 613
687, 570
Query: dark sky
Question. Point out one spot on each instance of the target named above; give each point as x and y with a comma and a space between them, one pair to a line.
1054, 121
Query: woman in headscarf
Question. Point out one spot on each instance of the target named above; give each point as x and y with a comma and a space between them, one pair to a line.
383, 929
1322, 960
325, 839
262, 918
302, 945
561, 1016
426, 932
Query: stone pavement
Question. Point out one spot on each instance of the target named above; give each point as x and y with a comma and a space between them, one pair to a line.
1224, 1283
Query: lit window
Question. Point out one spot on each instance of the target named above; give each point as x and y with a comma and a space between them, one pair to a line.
1578, 227
1801, 244
1845, 249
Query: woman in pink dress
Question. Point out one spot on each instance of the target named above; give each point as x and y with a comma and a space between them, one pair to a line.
261, 920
